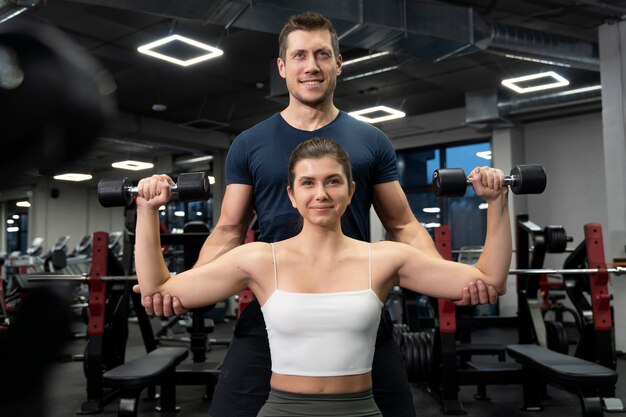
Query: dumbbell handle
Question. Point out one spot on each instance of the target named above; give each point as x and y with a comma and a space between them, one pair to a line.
134, 190
508, 180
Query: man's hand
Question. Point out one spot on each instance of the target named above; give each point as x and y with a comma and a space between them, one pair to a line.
161, 306
478, 293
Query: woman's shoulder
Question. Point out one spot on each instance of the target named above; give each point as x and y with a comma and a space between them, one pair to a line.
388, 248
387, 245
253, 250
260, 247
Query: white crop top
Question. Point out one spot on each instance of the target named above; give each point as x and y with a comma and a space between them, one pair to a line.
322, 334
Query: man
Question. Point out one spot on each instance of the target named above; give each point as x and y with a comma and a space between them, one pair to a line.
256, 168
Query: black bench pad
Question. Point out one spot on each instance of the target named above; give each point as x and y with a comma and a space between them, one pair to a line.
561, 369
146, 370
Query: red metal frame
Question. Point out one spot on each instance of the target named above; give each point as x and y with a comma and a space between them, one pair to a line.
97, 287
447, 309
600, 296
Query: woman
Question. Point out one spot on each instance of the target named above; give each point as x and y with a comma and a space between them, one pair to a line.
321, 292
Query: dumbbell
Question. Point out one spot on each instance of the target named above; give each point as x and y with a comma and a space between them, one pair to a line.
524, 179
191, 186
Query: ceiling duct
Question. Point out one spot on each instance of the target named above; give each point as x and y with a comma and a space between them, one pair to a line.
424, 29
484, 107
532, 44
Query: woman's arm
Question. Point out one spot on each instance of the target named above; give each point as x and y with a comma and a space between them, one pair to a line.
445, 279
495, 259
197, 287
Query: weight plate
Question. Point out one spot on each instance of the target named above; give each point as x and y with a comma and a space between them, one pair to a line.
414, 353
556, 239
557, 337
419, 341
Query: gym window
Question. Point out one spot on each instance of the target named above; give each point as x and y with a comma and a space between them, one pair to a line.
465, 215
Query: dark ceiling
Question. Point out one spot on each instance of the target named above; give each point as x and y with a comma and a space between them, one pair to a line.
443, 50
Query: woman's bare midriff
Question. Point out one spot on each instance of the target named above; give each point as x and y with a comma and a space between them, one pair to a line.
322, 384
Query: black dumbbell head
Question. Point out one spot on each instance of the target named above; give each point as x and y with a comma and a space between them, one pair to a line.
114, 193
530, 179
449, 182
193, 186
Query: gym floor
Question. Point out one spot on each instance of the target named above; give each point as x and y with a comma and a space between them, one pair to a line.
66, 386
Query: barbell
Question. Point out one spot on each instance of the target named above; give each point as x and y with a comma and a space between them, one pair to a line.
523, 179
582, 271
77, 278
618, 270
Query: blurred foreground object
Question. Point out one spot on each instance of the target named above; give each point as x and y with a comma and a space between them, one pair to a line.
54, 99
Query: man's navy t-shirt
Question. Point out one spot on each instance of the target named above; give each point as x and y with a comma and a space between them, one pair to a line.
259, 157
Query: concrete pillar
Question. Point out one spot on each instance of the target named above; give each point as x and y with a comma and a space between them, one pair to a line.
612, 39
612, 71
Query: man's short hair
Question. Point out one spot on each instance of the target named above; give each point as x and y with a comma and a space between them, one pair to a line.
306, 21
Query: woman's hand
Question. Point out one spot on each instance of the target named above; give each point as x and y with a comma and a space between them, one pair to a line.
154, 191
488, 183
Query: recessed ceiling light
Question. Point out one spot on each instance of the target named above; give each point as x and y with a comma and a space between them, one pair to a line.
517, 84
173, 40
22, 204
484, 154
16, 216
73, 177
368, 73
132, 165
159, 107
431, 209
581, 90
13, 229
364, 58
194, 159
483, 206
10, 221
381, 114
537, 60
179, 213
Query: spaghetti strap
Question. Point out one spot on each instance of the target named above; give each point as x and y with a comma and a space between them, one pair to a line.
369, 248
274, 256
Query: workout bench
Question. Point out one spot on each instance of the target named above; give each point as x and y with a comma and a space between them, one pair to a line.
540, 366
156, 368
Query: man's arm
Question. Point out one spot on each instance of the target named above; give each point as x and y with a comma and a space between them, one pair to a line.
232, 225
395, 213
229, 232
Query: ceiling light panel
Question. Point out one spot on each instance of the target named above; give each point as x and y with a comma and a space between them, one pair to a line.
540, 81
377, 114
132, 165
72, 177
180, 50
